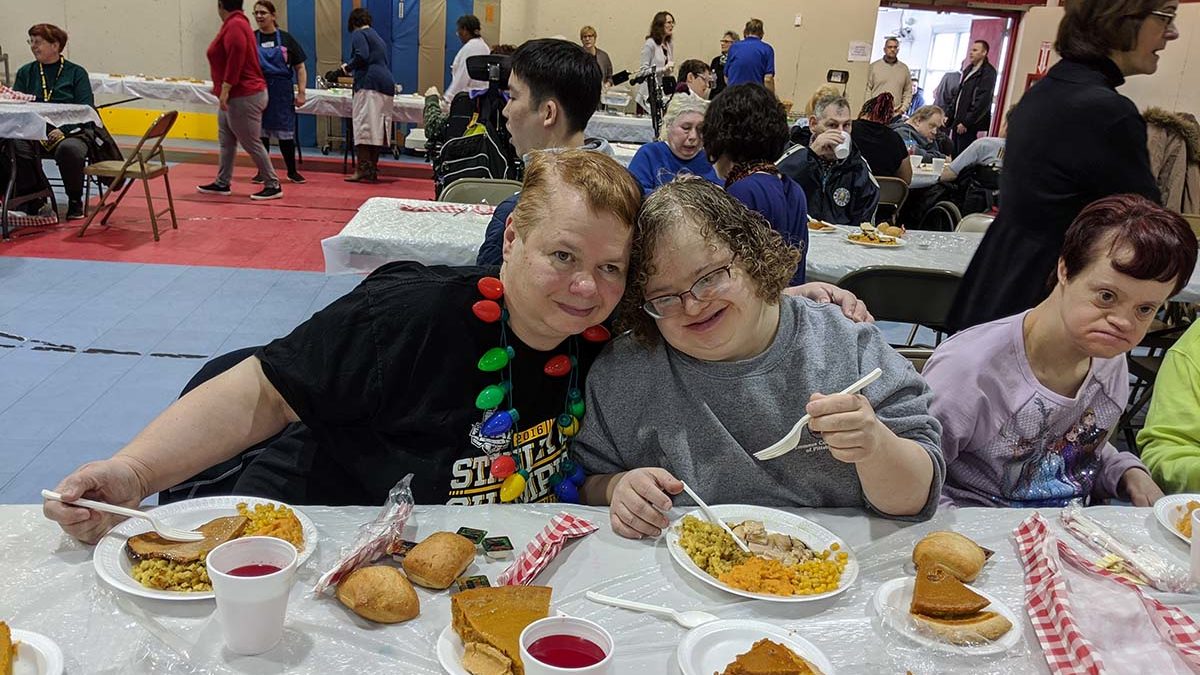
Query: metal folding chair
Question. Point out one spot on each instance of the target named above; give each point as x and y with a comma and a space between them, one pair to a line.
921, 297
975, 222
141, 166
480, 191
892, 193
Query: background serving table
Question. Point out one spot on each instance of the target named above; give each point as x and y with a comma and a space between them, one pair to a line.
620, 128
383, 231
386, 229
332, 102
49, 586
27, 121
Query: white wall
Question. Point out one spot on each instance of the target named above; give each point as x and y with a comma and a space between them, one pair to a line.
159, 37
802, 55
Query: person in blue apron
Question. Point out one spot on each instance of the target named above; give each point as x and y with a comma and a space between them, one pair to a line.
280, 55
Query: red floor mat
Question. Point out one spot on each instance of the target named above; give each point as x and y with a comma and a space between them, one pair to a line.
220, 231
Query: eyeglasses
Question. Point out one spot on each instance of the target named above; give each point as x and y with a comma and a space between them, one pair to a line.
1168, 17
36, 42
708, 287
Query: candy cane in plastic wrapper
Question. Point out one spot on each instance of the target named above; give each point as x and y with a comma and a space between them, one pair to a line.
1144, 560
1091, 621
376, 538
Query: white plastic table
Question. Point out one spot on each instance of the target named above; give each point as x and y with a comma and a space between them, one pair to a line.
48, 585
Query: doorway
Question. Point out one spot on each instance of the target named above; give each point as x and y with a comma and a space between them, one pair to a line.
934, 43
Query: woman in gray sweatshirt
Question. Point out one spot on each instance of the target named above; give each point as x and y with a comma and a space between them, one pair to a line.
720, 364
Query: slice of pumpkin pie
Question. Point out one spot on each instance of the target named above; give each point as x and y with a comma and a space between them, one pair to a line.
490, 620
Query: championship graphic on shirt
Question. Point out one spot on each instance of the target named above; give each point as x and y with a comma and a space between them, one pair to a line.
1051, 451
539, 449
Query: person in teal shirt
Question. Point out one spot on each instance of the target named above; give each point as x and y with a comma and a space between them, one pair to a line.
681, 149
53, 79
1170, 441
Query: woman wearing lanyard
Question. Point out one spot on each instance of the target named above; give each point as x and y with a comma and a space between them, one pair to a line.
373, 92
1072, 139
53, 79
281, 55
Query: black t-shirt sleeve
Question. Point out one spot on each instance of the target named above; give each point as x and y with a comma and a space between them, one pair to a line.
328, 368
295, 52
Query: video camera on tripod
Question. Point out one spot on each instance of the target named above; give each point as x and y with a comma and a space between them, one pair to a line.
655, 86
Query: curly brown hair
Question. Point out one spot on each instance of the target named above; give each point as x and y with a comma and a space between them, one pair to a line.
758, 250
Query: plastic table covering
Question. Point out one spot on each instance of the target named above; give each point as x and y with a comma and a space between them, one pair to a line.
382, 231
620, 128
48, 585
27, 121
330, 102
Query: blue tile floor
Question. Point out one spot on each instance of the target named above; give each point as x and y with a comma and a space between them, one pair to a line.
92, 351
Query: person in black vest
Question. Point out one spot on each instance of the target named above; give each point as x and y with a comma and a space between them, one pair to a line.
971, 112
1072, 139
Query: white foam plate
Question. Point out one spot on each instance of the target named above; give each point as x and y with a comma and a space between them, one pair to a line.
900, 243
826, 228
892, 601
1169, 509
114, 566
713, 646
774, 520
450, 648
36, 654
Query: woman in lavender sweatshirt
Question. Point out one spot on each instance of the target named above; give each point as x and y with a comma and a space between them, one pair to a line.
1027, 403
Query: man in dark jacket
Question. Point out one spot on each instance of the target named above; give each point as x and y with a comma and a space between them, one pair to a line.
840, 191
972, 109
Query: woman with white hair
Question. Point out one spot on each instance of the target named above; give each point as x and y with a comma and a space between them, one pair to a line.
680, 150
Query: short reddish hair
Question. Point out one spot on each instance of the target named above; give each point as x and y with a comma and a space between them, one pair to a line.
50, 33
1162, 243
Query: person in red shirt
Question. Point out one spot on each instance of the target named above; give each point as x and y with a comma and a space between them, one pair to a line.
239, 85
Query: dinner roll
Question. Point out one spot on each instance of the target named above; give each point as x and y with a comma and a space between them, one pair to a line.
439, 560
379, 593
963, 557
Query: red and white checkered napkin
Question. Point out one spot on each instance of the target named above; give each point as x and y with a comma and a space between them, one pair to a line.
544, 547
454, 209
1049, 605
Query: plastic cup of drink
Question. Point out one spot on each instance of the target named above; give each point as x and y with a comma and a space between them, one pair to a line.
252, 578
842, 151
565, 638
916, 161
939, 163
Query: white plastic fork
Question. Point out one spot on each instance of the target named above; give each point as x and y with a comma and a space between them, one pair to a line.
690, 619
789, 442
172, 533
713, 517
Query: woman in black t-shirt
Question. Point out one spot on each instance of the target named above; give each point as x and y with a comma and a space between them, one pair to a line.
389, 379
882, 147
279, 119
